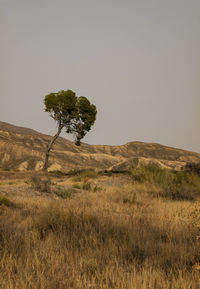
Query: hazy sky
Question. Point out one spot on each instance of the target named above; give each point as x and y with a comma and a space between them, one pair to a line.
138, 61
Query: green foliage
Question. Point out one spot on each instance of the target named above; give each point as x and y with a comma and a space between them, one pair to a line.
41, 185
61, 105
114, 172
175, 185
72, 173
97, 188
76, 186
149, 173
64, 193
5, 201
87, 186
74, 113
88, 173
58, 173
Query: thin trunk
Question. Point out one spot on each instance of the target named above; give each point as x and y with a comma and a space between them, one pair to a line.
49, 147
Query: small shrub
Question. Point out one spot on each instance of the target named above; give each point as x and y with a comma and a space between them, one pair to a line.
58, 173
177, 193
41, 185
193, 168
78, 175
64, 193
149, 174
77, 179
87, 186
5, 201
76, 186
180, 186
73, 173
96, 188
114, 172
106, 173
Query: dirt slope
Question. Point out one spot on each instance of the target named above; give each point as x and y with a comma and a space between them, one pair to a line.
23, 149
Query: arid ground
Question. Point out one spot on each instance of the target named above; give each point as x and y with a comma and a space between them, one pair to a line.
107, 230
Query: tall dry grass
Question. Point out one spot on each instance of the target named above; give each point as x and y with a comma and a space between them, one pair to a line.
99, 240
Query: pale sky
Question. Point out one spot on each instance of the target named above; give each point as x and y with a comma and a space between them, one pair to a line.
138, 61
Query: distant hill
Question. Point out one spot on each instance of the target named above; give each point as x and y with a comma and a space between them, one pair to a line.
23, 149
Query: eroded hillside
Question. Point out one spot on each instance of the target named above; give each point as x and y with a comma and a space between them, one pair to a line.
23, 149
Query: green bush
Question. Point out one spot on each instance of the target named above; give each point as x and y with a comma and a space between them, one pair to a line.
151, 173
64, 193
175, 185
58, 173
97, 188
114, 172
76, 186
81, 174
5, 201
74, 172
87, 186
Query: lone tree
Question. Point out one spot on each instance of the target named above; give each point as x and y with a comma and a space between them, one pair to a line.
75, 114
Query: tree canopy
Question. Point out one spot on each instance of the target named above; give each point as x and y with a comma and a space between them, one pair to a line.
75, 114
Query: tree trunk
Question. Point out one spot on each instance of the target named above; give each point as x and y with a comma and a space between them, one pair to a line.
49, 147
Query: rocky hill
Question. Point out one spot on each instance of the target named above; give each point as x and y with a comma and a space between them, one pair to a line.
23, 149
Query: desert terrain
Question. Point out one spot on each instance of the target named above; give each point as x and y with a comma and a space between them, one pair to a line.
23, 149
121, 217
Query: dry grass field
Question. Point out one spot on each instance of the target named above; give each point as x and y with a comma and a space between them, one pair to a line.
97, 231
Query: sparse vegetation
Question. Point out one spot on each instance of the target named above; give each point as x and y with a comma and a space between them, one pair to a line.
175, 185
87, 186
64, 193
74, 247
193, 168
58, 173
41, 185
97, 188
112, 235
4, 201
76, 186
